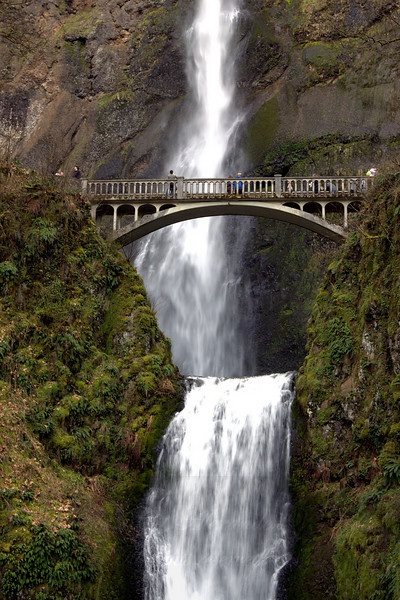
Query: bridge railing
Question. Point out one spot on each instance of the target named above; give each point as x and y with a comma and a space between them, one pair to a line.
138, 188
221, 188
250, 187
326, 186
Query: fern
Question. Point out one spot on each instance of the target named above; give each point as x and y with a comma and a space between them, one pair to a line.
391, 472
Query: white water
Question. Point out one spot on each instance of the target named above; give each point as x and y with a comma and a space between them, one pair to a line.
216, 526
216, 518
185, 267
211, 76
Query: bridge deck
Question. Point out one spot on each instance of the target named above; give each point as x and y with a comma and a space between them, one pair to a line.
202, 189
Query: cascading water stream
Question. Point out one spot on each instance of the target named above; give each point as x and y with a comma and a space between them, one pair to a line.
210, 72
185, 267
216, 519
216, 526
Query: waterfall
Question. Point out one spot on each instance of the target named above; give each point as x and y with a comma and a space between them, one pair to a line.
210, 73
185, 267
216, 526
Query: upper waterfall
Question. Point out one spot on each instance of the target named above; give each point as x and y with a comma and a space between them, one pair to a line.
186, 268
216, 518
210, 71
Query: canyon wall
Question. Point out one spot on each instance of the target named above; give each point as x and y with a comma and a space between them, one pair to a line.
102, 83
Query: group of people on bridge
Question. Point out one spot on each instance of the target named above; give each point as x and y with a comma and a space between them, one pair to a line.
234, 187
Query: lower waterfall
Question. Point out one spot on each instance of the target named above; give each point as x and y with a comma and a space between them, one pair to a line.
216, 525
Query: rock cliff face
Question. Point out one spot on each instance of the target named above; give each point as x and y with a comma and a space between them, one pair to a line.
334, 88
102, 83
90, 82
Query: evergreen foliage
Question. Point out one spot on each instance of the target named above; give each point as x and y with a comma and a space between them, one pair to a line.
87, 387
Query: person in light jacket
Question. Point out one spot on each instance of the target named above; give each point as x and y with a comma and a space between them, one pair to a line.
172, 177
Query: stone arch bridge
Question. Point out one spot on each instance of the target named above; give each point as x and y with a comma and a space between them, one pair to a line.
130, 209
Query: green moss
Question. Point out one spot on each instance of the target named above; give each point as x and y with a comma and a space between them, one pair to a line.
115, 100
80, 353
262, 28
329, 154
77, 56
349, 462
322, 60
395, 387
262, 129
356, 564
81, 25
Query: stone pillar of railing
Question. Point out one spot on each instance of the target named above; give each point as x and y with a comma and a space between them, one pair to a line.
278, 186
179, 188
84, 183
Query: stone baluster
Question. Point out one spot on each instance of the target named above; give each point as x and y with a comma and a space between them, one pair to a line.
278, 185
179, 188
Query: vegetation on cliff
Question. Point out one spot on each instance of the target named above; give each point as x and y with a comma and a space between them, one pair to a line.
346, 466
87, 388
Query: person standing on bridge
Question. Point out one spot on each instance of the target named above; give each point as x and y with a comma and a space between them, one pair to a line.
238, 187
172, 177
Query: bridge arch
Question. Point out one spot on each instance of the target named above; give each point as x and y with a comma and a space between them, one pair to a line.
295, 205
166, 206
146, 209
335, 212
105, 215
126, 214
158, 220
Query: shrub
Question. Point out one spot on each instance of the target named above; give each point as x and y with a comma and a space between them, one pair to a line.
57, 561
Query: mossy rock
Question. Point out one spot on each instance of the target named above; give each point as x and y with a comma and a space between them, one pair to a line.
261, 130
